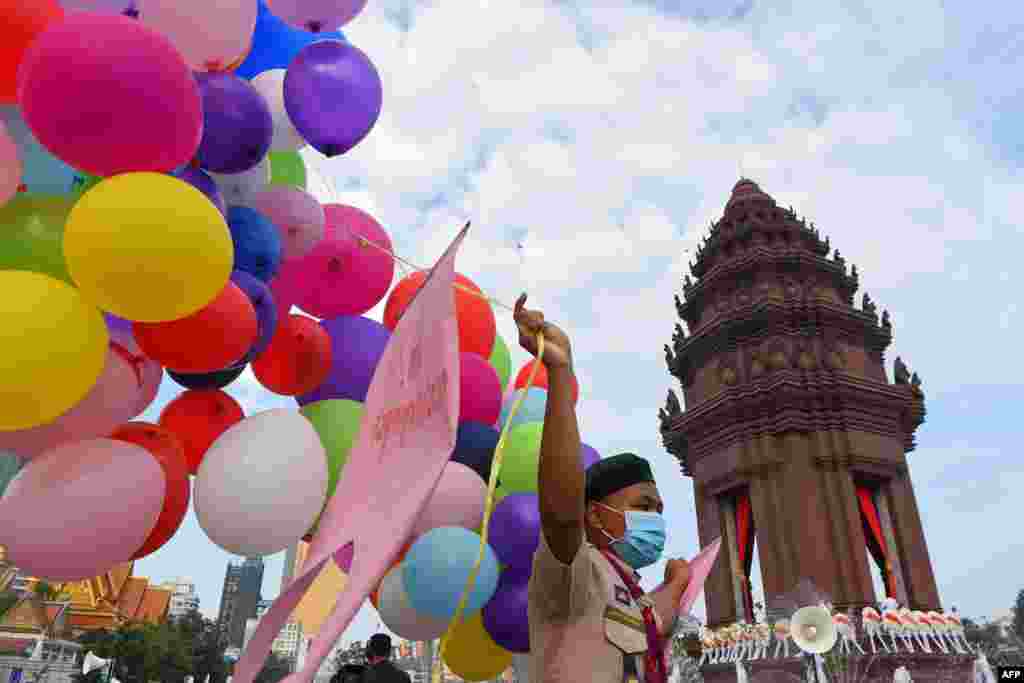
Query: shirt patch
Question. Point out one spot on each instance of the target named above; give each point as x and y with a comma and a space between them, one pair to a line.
622, 596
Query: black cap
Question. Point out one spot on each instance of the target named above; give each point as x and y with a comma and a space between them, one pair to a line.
379, 645
608, 475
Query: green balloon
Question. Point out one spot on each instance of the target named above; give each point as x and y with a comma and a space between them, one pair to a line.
522, 457
287, 168
501, 359
33, 226
337, 422
10, 465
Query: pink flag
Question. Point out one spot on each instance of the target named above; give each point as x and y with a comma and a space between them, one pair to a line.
405, 439
700, 568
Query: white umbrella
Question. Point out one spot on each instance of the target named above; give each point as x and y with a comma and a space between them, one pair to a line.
902, 676
741, 673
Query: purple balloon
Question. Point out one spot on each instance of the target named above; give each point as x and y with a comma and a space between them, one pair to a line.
515, 529
266, 311
506, 616
201, 180
115, 324
333, 95
589, 455
356, 347
237, 125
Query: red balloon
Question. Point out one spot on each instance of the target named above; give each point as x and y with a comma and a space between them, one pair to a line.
197, 418
540, 380
298, 358
163, 445
22, 22
477, 327
211, 339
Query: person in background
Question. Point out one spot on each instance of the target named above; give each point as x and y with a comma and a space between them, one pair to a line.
349, 673
589, 619
379, 667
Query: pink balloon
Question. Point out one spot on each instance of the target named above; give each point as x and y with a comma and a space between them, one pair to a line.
81, 508
10, 166
101, 6
351, 268
479, 390
112, 401
458, 500
129, 81
343, 558
148, 373
298, 217
210, 34
316, 15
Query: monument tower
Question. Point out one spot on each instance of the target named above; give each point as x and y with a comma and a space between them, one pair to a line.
792, 433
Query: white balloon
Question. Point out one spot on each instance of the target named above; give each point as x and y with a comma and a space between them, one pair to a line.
398, 614
240, 189
270, 84
262, 483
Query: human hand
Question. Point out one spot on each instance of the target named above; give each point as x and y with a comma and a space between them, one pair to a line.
677, 572
557, 349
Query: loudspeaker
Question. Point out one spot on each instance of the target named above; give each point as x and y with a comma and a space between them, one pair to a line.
92, 662
812, 630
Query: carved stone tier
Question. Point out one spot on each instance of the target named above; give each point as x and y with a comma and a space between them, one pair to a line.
881, 668
790, 401
759, 262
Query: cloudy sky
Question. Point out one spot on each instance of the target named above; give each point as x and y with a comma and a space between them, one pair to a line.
602, 137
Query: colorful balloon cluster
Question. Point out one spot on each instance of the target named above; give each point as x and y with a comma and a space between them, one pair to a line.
149, 204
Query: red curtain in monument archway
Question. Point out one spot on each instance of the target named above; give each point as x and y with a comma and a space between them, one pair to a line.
875, 538
745, 549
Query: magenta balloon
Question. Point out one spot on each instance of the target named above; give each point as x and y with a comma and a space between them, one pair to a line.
79, 509
111, 402
351, 268
333, 95
458, 500
479, 389
132, 104
316, 15
288, 286
298, 217
99, 6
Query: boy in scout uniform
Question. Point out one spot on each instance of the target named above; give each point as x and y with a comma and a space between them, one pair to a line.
589, 620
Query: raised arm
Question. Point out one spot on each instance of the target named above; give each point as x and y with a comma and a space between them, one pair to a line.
560, 477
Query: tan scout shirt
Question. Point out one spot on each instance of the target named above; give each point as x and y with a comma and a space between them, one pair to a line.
583, 620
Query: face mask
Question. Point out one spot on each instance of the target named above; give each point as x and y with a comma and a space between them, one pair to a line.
644, 540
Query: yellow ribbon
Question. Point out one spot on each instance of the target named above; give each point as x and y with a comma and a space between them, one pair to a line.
499, 454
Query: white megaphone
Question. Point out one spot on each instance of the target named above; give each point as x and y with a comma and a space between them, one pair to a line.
812, 630
92, 662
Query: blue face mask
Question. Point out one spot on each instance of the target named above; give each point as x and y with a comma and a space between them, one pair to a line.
644, 540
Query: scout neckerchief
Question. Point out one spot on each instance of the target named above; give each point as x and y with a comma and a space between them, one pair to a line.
654, 660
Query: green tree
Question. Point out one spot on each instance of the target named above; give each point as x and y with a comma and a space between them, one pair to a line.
1018, 616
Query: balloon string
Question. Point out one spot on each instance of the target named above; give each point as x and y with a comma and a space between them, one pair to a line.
365, 242
492, 484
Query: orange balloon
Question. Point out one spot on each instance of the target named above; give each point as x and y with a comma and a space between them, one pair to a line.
477, 326
20, 22
211, 339
540, 380
197, 418
163, 445
375, 595
298, 358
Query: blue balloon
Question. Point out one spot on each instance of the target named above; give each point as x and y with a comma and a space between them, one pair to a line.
257, 242
435, 571
275, 44
10, 465
42, 173
474, 447
531, 410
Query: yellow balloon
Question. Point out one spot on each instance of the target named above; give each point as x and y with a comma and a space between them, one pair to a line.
472, 654
53, 346
148, 247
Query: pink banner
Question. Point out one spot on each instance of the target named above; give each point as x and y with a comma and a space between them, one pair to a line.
700, 568
406, 438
